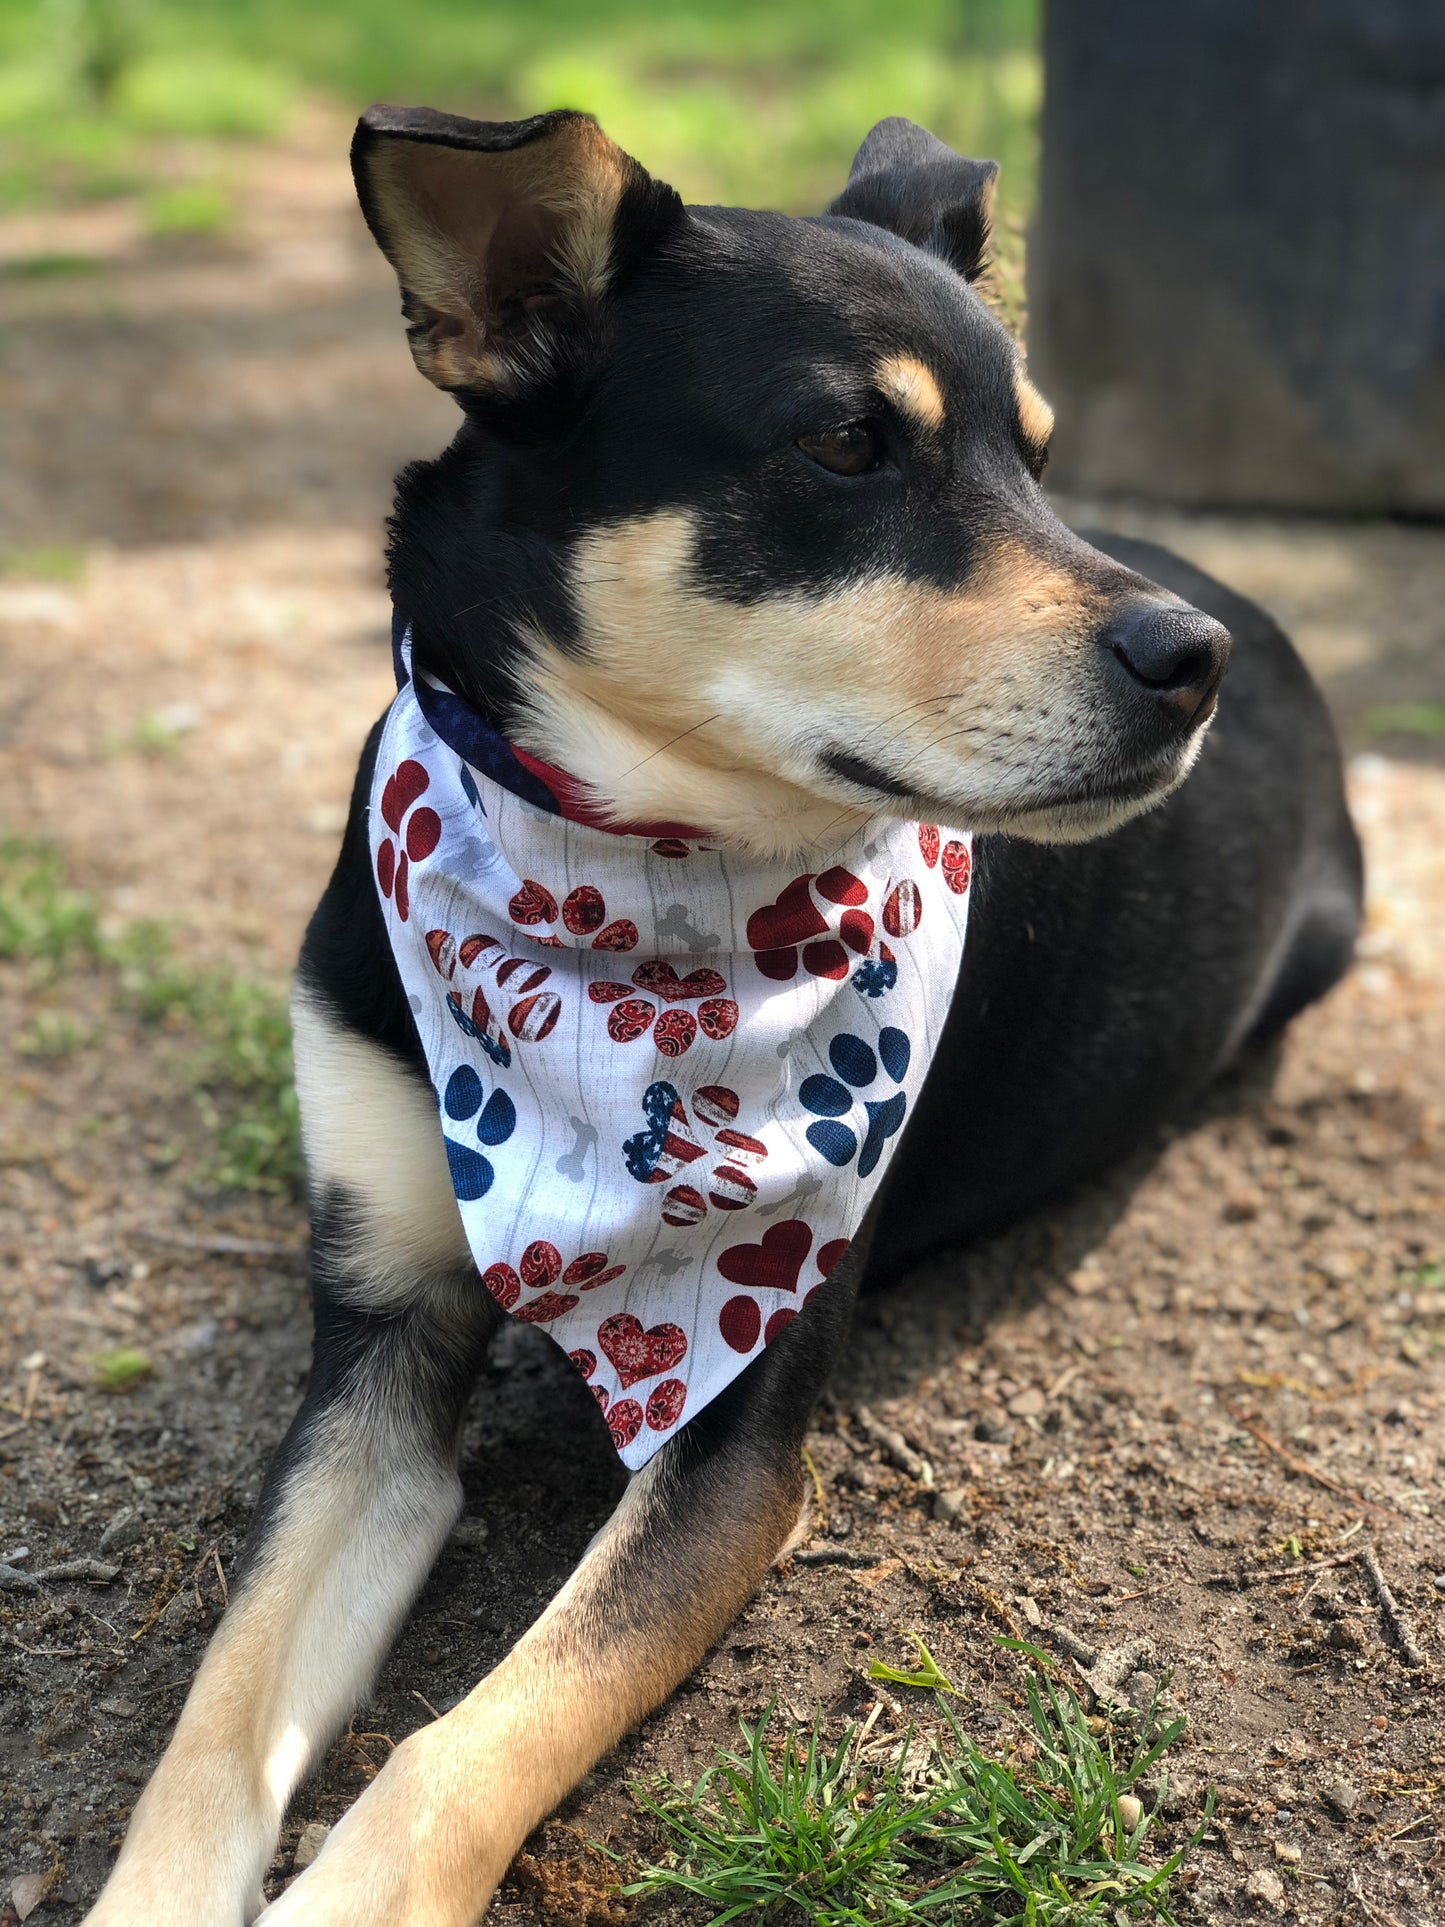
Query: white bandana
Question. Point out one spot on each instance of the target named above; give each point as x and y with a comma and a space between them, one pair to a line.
670, 1075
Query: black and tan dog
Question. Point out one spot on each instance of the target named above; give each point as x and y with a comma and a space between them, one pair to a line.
742, 527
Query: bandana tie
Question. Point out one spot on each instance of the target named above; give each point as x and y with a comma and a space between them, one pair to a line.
670, 1074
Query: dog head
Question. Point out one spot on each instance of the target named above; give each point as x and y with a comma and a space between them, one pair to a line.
744, 525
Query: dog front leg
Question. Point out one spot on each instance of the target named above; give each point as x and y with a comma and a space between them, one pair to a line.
363, 1492
429, 1840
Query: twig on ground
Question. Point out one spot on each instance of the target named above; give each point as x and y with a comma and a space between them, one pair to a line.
894, 1447
1290, 1572
225, 1589
426, 1703
1380, 1918
833, 1556
190, 1579
1304, 1468
12, 1579
222, 1244
1389, 1608
819, 1495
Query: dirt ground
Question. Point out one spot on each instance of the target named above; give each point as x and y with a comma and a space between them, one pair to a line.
1138, 1413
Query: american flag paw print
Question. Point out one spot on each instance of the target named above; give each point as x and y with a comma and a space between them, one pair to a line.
415, 829
674, 1028
719, 1175
529, 1011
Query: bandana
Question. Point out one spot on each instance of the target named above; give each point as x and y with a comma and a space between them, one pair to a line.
670, 1074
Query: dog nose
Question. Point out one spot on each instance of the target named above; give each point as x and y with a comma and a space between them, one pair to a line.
1177, 653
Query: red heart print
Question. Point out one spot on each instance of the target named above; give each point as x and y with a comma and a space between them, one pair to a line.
635, 1353
772, 1265
401, 791
740, 1321
532, 903
585, 1361
624, 1421
664, 1406
790, 920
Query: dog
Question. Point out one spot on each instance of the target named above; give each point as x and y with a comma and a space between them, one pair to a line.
742, 532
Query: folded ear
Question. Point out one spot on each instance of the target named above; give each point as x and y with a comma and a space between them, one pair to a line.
906, 180
505, 235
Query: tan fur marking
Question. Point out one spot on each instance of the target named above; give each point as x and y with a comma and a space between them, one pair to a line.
691, 709
1036, 418
911, 387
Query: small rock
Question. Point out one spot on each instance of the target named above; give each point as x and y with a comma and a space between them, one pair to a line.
1288, 1852
119, 1709
949, 1502
1131, 1811
1181, 1795
1341, 1799
1440, 1582
992, 1431
1029, 1607
313, 1839
1265, 1889
27, 1893
1029, 1403
1344, 1637
1086, 1278
1139, 1690
466, 1532
13, 1580
125, 1529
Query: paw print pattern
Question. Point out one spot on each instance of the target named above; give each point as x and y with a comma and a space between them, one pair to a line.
584, 914
831, 1099
815, 921
676, 1029
954, 856
539, 1269
670, 1145
774, 1264
531, 1011
416, 831
464, 1098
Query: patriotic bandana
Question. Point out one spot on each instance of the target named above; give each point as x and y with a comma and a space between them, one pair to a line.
670, 1074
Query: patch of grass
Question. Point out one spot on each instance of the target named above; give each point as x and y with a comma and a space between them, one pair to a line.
44, 562
118, 1370
50, 267
1406, 719
54, 1034
239, 1060
790, 1829
190, 207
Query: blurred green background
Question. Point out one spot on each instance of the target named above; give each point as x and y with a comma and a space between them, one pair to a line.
759, 102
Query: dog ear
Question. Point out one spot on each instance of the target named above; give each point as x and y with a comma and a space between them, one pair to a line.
506, 237
906, 180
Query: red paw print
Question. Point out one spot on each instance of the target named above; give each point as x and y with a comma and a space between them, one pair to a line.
583, 913
816, 919
532, 1012
957, 867
422, 832
540, 1268
675, 1030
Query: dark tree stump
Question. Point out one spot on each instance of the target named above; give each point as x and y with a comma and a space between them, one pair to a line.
1237, 278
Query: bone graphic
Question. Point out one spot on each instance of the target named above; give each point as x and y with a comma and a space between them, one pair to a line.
793, 1037
573, 1164
667, 1264
805, 1190
674, 926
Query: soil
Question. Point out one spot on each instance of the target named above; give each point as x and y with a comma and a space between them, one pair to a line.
1147, 1416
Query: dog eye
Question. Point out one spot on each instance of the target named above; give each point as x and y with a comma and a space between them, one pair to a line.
851, 449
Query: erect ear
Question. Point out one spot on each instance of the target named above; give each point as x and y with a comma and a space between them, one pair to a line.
906, 180
505, 235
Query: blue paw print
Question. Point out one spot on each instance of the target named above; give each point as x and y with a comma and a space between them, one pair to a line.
472, 1173
830, 1101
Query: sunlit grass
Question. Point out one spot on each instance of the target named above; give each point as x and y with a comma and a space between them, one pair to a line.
792, 1829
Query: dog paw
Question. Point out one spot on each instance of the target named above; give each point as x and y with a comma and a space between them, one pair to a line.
831, 1099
